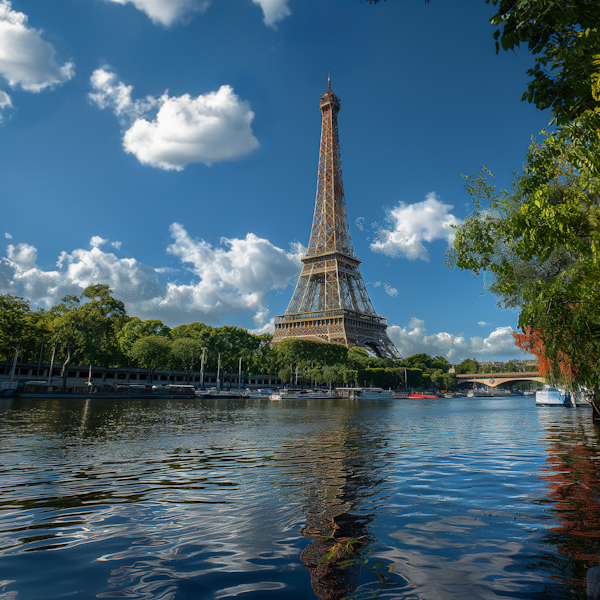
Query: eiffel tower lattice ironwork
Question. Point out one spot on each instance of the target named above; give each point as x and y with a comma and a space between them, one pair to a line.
330, 301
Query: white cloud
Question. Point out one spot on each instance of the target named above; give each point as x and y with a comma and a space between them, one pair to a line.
26, 60
413, 339
261, 316
22, 255
116, 245
235, 277
482, 323
7, 284
414, 224
214, 127
273, 10
5, 102
268, 327
391, 291
8, 236
131, 280
112, 93
97, 241
168, 12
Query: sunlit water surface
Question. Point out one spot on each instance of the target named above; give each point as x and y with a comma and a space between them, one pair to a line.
438, 500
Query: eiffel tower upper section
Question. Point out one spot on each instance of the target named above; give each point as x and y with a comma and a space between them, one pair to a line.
330, 301
330, 232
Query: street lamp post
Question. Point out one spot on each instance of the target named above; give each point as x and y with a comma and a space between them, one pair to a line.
219, 372
51, 365
202, 370
14, 367
40, 361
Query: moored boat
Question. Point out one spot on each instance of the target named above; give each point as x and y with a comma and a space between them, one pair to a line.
260, 393
286, 394
42, 389
365, 393
551, 396
478, 393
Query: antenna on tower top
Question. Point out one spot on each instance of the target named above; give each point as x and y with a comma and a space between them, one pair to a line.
329, 80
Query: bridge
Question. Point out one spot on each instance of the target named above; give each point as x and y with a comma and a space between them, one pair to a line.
496, 379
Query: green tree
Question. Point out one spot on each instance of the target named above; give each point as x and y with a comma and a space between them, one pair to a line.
20, 325
468, 366
358, 358
187, 352
134, 328
191, 330
151, 352
564, 36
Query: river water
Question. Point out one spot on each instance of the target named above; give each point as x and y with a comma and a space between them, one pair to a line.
421, 500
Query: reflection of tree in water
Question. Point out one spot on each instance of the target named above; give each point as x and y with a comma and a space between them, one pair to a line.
342, 465
574, 490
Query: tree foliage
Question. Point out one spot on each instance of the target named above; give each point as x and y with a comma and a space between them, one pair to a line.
564, 36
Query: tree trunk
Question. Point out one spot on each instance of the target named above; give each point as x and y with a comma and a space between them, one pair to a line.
595, 402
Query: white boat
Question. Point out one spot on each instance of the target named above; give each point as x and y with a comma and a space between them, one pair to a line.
299, 395
550, 396
478, 394
259, 393
365, 393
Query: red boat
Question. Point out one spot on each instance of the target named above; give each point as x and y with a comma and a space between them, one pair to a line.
422, 396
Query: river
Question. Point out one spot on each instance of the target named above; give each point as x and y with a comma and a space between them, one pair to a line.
450, 499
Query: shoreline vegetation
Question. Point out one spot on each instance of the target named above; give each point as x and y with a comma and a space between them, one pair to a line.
93, 330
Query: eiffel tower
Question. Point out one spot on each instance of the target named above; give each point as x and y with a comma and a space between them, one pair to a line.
330, 301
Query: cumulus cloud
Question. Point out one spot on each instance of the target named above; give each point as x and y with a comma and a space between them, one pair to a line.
26, 60
414, 224
116, 245
391, 291
22, 255
482, 323
8, 236
114, 94
214, 127
5, 102
97, 241
168, 12
234, 277
268, 327
414, 339
261, 316
273, 10
7, 283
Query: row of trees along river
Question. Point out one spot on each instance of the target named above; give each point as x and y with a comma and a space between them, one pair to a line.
94, 328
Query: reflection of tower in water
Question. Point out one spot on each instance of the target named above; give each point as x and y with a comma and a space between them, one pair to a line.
341, 472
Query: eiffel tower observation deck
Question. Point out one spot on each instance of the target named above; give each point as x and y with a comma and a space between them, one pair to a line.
330, 302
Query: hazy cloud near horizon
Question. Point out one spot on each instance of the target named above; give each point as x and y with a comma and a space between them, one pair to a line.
221, 281
213, 285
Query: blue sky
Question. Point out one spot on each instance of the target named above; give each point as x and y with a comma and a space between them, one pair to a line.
169, 148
